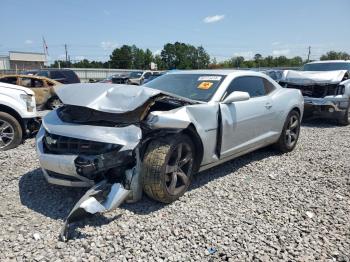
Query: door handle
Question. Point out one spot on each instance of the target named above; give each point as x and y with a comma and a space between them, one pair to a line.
268, 105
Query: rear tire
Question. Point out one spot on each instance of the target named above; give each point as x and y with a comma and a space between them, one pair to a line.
290, 133
167, 167
10, 132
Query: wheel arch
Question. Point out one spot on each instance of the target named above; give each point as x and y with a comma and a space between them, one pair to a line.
296, 109
189, 131
199, 149
15, 114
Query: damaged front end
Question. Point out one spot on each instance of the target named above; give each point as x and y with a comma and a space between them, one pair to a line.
99, 145
326, 94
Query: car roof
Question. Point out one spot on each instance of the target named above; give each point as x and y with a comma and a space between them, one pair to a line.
55, 69
218, 72
329, 61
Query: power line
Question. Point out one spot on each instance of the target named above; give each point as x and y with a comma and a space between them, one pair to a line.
309, 53
66, 51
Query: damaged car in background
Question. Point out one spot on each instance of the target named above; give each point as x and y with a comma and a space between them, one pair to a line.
43, 88
325, 86
122, 141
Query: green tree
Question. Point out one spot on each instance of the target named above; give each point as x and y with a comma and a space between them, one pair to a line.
138, 58
257, 59
148, 59
236, 62
168, 56
333, 55
203, 57
122, 57
184, 56
160, 63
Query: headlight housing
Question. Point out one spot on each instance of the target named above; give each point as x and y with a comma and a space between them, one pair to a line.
29, 100
341, 90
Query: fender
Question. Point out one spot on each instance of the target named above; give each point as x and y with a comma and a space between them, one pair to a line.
20, 108
346, 83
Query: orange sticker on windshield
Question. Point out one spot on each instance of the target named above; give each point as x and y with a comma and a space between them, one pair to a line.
205, 85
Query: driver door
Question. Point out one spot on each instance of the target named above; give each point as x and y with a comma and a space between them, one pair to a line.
245, 123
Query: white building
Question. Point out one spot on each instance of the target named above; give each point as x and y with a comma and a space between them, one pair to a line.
22, 61
4, 62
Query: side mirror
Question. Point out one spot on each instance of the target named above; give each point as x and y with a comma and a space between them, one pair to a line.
236, 96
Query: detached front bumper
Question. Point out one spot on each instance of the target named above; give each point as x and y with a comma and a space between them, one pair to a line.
82, 170
325, 107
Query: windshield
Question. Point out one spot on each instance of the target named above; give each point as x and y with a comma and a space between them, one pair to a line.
135, 74
326, 66
43, 73
193, 86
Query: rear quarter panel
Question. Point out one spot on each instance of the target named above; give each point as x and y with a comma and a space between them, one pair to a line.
284, 101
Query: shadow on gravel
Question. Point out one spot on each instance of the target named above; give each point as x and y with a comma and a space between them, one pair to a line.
49, 200
56, 201
319, 123
147, 205
232, 166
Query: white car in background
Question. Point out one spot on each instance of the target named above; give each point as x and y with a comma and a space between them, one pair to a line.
139, 77
120, 140
17, 115
325, 86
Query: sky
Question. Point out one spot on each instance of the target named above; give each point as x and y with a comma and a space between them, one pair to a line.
225, 28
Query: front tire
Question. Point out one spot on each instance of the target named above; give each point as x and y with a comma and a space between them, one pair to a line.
167, 168
10, 132
290, 133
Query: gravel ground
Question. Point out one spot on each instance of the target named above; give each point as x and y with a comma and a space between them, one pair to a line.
262, 206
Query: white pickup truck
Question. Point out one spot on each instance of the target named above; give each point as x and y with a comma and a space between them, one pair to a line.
18, 116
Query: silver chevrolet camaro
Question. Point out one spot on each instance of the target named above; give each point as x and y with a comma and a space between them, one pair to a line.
124, 140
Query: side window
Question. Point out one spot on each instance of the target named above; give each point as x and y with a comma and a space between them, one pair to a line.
57, 75
38, 83
253, 85
9, 80
147, 75
269, 87
27, 82
273, 75
43, 73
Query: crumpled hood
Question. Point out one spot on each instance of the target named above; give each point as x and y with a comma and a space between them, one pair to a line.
313, 77
108, 98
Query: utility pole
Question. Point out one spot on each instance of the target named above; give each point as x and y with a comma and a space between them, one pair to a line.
66, 50
308, 55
